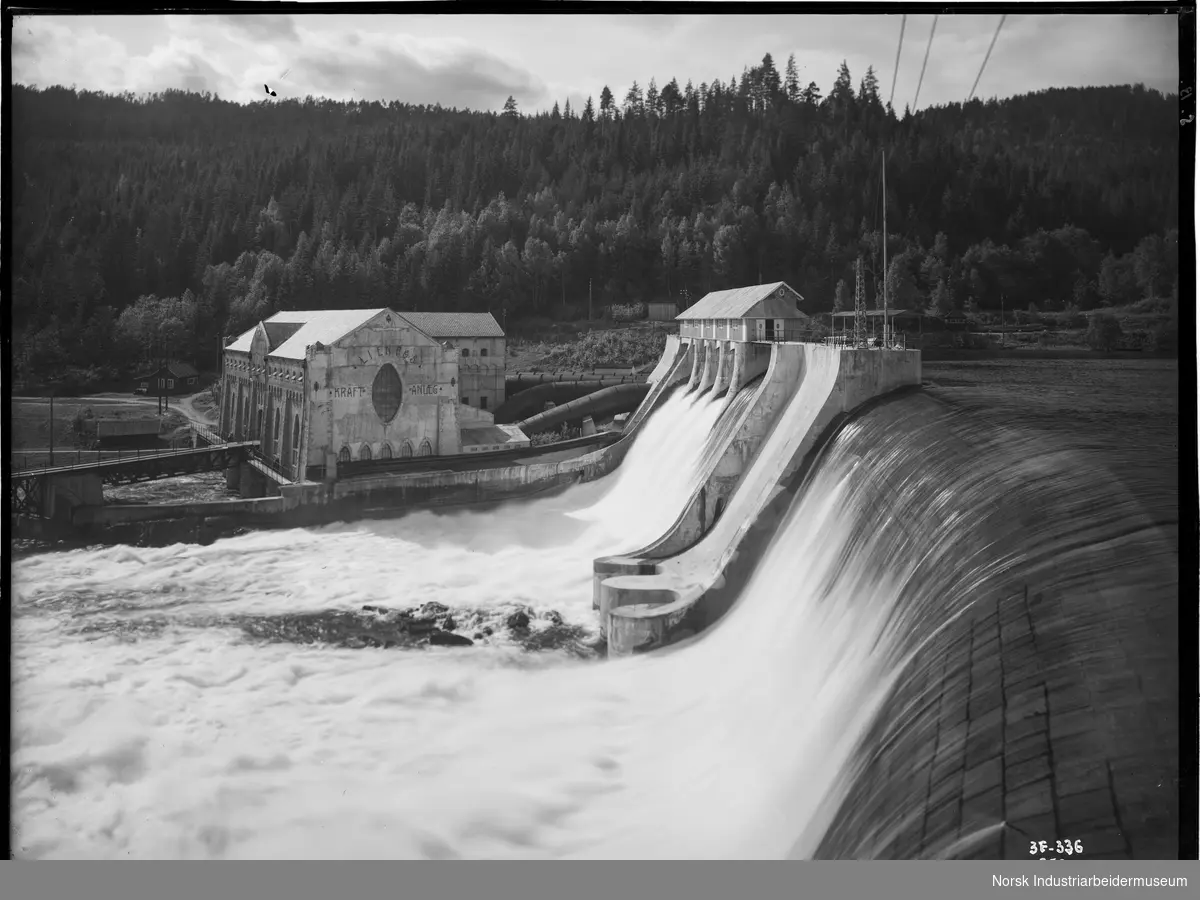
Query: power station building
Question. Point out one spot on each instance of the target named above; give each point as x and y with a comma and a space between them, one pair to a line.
320, 388
761, 312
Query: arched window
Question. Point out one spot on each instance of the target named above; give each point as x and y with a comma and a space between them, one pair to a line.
296, 436
385, 452
466, 351
344, 455
483, 351
405, 450
365, 453
277, 434
426, 448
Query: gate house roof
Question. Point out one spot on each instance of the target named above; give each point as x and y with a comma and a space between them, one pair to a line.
735, 303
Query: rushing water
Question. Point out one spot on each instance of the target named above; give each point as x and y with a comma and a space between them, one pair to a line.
149, 725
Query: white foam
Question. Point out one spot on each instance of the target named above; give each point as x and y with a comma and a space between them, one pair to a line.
193, 742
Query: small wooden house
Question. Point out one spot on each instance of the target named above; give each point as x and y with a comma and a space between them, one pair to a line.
172, 379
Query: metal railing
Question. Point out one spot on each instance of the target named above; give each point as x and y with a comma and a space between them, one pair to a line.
898, 341
98, 457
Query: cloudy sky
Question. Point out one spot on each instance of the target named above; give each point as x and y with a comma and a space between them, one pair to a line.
477, 61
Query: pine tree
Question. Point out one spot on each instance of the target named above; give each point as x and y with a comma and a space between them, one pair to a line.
606, 103
769, 78
791, 81
510, 108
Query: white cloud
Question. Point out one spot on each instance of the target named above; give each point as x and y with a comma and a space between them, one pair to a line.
478, 60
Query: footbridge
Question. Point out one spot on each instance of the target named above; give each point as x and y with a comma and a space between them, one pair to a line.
53, 491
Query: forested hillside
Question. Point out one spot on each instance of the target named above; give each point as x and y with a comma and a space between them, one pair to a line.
185, 217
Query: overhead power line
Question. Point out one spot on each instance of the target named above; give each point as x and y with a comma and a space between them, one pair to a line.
924, 64
896, 71
986, 58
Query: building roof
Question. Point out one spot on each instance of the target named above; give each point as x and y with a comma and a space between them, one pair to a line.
312, 326
440, 326
731, 304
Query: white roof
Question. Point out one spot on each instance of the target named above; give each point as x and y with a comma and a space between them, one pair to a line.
317, 325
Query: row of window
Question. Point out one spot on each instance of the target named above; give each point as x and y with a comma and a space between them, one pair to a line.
165, 382
385, 452
466, 351
482, 401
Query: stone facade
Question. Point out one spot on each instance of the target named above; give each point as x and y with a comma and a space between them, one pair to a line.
376, 387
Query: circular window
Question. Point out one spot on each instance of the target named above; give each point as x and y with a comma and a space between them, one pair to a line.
386, 392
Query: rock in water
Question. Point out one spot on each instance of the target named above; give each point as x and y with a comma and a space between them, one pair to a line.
518, 621
447, 639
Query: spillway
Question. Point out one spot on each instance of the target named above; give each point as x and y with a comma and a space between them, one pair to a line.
150, 720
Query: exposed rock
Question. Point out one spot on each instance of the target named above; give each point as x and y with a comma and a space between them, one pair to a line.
433, 609
446, 639
553, 617
448, 624
419, 626
518, 621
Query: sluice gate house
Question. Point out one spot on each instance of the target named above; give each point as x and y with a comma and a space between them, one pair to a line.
319, 388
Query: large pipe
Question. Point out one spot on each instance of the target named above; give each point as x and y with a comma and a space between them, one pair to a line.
611, 400
533, 400
524, 380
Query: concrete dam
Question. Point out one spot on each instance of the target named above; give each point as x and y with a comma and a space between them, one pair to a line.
843, 619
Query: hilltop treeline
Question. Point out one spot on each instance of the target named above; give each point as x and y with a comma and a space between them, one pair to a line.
183, 217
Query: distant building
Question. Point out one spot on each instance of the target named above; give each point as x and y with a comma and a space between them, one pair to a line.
762, 312
482, 352
663, 311
172, 379
322, 388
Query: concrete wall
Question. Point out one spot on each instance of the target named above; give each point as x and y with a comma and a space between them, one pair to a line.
832, 382
145, 512
343, 414
481, 377
61, 494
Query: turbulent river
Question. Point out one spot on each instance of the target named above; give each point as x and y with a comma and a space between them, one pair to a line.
177, 703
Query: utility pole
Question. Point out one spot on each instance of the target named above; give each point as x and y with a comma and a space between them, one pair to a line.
883, 164
52, 428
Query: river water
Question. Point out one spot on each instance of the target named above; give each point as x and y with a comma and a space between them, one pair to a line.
151, 722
